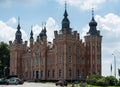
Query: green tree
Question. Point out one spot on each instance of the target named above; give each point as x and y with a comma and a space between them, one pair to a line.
4, 59
102, 82
93, 79
111, 80
119, 72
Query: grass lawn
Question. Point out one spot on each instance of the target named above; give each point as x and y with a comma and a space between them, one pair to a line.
77, 85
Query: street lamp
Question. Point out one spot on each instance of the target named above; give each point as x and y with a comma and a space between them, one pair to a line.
114, 67
5, 70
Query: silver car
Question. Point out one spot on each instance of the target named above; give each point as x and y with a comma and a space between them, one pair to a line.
15, 81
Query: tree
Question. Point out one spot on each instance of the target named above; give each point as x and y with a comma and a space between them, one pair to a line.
93, 79
111, 80
119, 72
4, 59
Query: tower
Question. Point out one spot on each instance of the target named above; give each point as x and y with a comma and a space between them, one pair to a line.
93, 41
16, 51
69, 52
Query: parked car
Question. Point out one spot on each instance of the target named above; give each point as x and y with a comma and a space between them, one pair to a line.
3, 81
61, 83
76, 82
15, 80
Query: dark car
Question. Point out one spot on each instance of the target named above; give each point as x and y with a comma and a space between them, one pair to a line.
61, 83
3, 81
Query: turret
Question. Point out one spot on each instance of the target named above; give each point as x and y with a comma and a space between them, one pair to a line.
18, 35
93, 24
65, 22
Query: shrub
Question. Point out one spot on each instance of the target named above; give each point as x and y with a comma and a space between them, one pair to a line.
111, 80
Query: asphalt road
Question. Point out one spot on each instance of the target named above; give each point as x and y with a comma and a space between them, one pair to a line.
30, 84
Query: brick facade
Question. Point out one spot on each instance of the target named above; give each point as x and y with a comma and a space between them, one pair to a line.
68, 57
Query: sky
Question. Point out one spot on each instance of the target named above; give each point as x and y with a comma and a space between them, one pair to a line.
36, 13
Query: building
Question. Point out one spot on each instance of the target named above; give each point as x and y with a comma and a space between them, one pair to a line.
68, 57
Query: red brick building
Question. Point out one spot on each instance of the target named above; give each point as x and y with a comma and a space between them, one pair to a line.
68, 57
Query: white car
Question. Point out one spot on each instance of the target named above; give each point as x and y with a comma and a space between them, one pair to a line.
15, 81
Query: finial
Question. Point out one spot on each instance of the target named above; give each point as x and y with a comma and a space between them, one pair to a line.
18, 27
42, 25
18, 20
65, 4
31, 27
45, 24
92, 12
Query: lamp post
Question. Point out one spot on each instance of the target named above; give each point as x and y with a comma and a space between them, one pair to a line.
5, 70
114, 67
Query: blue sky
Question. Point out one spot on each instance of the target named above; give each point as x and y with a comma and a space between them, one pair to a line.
34, 12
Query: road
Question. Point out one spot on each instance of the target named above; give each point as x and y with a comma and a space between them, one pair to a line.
31, 84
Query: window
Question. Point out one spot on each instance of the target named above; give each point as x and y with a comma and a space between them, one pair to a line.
70, 59
26, 73
48, 73
41, 73
70, 49
41, 60
53, 60
48, 61
60, 59
78, 73
37, 52
70, 72
53, 73
78, 60
98, 60
33, 73
60, 50
60, 72
83, 61
78, 50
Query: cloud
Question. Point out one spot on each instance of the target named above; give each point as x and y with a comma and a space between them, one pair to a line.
8, 3
7, 32
83, 4
51, 26
11, 21
109, 25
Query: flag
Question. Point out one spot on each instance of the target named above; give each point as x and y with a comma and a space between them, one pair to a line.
111, 68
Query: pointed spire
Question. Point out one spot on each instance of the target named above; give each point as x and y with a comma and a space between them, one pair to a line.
65, 13
31, 34
18, 27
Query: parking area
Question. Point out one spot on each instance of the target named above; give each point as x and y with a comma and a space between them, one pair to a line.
31, 84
